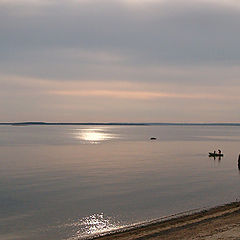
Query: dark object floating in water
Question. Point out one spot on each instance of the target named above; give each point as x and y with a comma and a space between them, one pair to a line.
153, 138
239, 162
215, 154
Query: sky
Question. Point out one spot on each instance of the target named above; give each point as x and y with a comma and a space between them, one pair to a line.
120, 60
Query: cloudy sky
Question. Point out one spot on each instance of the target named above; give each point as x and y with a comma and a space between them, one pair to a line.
120, 60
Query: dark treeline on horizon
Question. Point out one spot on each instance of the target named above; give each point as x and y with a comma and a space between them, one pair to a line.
119, 124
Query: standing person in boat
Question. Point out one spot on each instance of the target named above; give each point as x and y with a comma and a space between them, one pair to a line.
219, 151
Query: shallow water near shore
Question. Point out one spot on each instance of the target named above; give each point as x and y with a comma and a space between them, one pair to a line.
68, 182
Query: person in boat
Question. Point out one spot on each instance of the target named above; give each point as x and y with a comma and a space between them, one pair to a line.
214, 152
219, 151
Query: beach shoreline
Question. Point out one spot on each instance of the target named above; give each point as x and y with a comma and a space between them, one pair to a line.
221, 222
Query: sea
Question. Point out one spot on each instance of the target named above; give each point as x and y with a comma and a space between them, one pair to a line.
75, 182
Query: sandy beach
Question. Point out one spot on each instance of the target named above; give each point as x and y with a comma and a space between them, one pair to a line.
217, 223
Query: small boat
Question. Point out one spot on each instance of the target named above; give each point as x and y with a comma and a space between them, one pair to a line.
215, 154
153, 138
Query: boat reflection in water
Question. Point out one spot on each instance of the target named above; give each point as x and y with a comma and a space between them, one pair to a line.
94, 135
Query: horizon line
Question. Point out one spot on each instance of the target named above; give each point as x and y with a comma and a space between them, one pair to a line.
122, 123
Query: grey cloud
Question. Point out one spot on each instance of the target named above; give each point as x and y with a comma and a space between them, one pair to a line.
48, 38
168, 30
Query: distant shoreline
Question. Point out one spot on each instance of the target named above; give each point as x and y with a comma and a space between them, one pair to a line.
115, 124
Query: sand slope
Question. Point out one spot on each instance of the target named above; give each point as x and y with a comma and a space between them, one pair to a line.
214, 224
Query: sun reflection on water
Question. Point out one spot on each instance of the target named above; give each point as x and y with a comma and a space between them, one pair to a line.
95, 224
93, 135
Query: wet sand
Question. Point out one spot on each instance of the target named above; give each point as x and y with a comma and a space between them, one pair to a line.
217, 223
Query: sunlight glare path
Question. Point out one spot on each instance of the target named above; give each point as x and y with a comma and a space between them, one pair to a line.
93, 135
95, 224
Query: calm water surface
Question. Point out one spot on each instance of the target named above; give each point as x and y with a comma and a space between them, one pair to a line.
59, 182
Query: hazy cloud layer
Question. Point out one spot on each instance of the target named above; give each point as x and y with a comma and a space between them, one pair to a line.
152, 59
